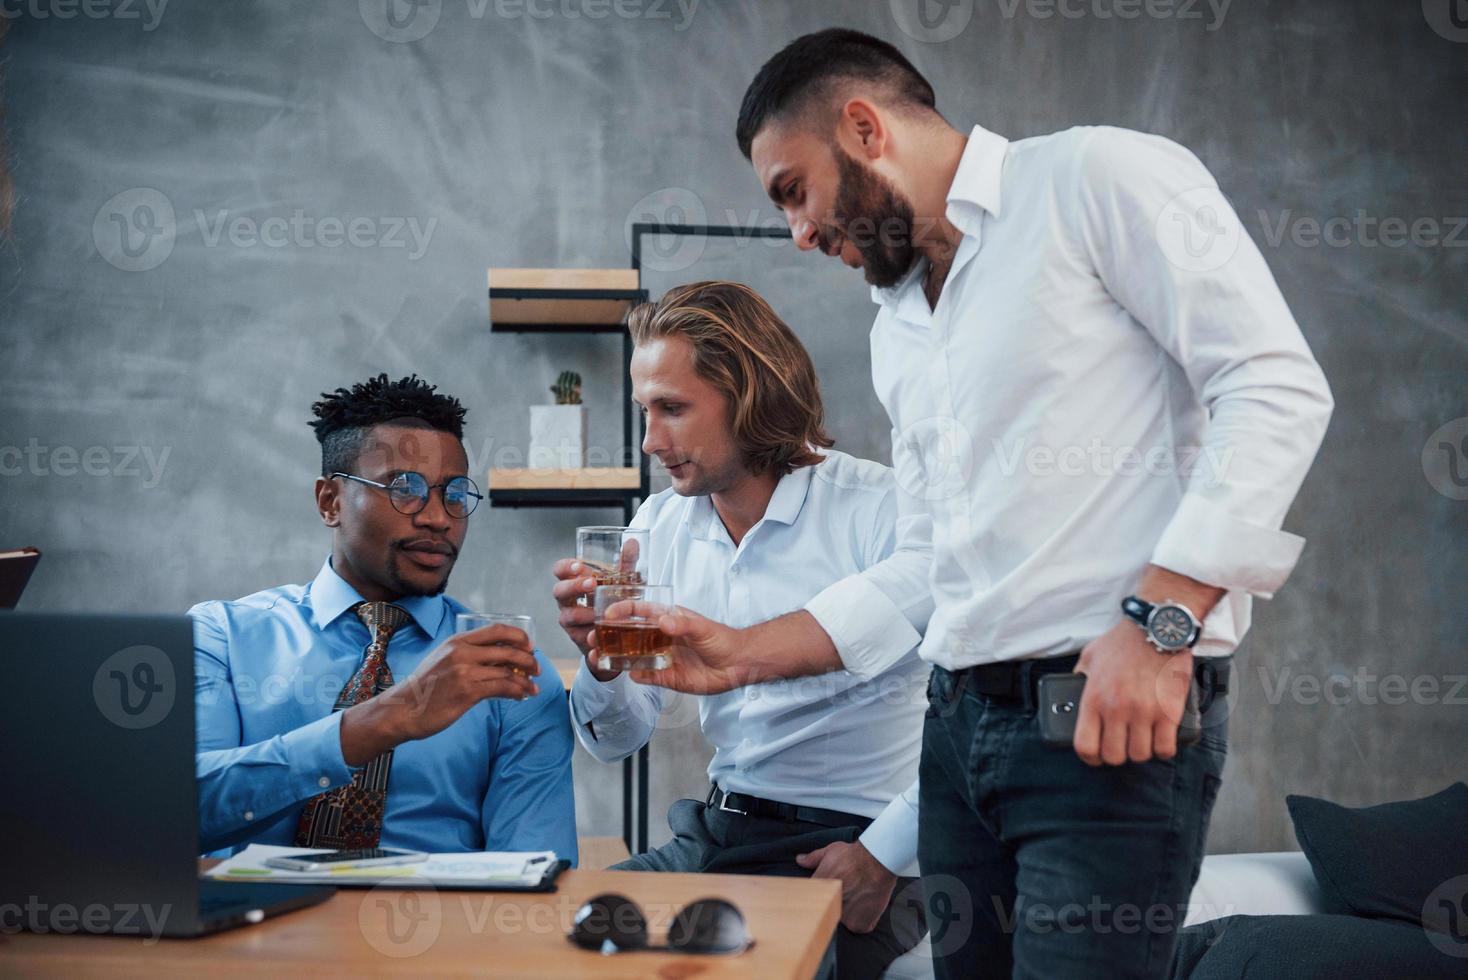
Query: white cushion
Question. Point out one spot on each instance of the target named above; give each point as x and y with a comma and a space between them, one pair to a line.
1275, 883
915, 964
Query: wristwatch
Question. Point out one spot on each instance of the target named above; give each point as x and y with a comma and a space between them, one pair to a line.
1170, 626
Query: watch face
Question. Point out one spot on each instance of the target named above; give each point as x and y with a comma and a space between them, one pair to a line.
1171, 627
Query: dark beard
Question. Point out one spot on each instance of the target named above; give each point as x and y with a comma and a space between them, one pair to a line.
402, 587
883, 219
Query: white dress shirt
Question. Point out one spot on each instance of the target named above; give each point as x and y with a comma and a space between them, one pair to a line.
1111, 378
836, 741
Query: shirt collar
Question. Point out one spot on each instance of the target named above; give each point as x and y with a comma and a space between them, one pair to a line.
331, 596
975, 189
784, 507
976, 186
789, 496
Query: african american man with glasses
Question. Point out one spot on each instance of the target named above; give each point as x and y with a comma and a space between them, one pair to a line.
346, 712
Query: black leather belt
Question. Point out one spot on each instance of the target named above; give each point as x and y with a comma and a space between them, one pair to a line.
1017, 680
744, 805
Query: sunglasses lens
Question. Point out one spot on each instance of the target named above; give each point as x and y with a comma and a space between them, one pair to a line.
609, 920
710, 925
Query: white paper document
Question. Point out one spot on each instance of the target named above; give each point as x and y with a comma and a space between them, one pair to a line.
473, 869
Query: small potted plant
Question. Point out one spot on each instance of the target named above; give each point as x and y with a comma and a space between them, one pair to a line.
558, 432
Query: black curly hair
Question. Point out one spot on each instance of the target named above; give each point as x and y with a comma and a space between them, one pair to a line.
343, 417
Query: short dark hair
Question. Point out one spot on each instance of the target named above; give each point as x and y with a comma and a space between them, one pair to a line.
343, 417
810, 64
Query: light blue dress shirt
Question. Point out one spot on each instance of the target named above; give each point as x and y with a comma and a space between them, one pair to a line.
268, 669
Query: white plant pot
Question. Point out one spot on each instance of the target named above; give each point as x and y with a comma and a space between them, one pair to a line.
557, 437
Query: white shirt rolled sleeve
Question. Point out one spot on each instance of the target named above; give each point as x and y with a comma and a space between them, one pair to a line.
875, 616
1221, 317
892, 837
615, 718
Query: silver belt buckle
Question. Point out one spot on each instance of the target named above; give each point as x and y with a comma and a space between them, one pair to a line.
723, 799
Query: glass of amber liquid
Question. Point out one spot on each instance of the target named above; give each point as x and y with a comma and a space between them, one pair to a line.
627, 633
613, 555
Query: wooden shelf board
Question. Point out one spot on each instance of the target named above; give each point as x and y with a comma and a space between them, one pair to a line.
604, 329
566, 311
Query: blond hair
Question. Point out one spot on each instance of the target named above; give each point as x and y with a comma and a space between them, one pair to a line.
745, 350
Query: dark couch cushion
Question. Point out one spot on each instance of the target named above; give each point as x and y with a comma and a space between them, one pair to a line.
1386, 861
1312, 947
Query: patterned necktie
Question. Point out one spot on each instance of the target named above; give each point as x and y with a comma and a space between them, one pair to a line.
350, 816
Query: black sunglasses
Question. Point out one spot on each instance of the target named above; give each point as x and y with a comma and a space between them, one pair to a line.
409, 493
614, 923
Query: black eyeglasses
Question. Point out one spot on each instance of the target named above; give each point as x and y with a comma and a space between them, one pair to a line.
614, 923
409, 493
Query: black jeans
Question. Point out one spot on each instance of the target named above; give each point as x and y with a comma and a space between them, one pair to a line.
1036, 865
712, 841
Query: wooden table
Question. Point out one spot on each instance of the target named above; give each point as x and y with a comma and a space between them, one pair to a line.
382, 931
597, 853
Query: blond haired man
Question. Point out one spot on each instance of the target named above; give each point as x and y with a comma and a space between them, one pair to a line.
813, 776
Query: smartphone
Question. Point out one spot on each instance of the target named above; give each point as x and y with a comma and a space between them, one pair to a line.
1059, 697
362, 857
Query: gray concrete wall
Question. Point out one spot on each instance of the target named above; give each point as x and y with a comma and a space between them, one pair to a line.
508, 138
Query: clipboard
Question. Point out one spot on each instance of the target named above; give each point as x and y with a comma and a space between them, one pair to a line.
546, 884
248, 866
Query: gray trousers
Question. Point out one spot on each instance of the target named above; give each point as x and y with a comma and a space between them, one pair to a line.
712, 841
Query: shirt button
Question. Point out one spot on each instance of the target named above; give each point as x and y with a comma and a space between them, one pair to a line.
323, 782
249, 814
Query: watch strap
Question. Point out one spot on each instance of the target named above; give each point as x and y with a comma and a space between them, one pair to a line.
1137, 609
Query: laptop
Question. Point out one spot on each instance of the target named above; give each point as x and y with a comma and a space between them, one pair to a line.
16, 566
99, 828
